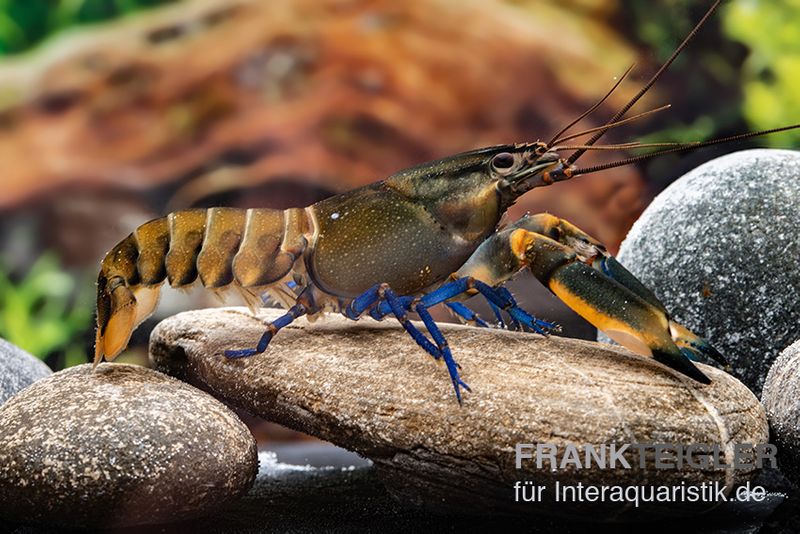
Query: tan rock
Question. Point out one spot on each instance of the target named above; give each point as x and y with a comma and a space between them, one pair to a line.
120, 446
367, 387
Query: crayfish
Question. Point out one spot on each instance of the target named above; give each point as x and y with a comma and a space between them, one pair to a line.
424, 236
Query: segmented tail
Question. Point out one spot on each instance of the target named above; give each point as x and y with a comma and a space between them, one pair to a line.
247, 249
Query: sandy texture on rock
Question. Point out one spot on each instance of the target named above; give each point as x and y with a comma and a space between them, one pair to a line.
120, 446
18, 370
719, 247
781, 399
367, 387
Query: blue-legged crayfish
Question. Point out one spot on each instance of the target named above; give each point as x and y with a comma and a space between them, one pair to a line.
424, 236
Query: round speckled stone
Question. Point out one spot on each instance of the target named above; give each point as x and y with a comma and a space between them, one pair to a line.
781, 399
720, 248
18, 370
122, 445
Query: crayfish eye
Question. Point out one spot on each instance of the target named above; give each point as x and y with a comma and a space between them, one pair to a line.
503, 161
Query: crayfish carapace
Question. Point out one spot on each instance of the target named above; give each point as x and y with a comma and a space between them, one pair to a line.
424, 236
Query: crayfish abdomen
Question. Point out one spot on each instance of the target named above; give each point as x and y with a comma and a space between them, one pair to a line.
247, 249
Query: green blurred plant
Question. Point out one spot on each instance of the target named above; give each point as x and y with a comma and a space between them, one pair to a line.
771, 32
742, 66
24, 23
702, 84
41, 314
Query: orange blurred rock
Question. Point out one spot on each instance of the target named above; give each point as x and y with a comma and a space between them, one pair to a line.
211, 97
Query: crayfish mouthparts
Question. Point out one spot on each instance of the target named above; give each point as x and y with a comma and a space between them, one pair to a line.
562, 172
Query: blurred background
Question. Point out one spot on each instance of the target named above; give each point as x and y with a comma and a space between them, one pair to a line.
113, 112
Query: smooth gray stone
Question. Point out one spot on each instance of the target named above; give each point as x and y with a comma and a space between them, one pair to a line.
720, 248
18, 370
119, 446
781, 399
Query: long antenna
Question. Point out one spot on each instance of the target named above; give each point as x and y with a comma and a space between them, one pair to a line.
586, 113
619, 146
609, 125
575, 155
570, 172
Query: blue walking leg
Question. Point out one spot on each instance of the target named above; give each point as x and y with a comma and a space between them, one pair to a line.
498, 313
402, 316
382, 294
272, 328
398, 306
504, 292
366, 301
520, 315
467, 314
363, 302
444, 348
380, 300
498, 298
447, 291
383, 309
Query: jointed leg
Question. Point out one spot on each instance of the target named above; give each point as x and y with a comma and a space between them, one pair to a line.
272, 328
498, 314
469, 316
444, 348
499, 298
399, 306
505, 293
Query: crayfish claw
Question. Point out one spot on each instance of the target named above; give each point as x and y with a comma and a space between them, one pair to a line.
677, 360
694, 345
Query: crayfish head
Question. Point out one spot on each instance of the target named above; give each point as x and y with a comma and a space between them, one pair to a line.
468, 193
529, 165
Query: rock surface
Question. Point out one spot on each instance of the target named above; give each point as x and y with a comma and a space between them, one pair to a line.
18, 370
319, 487
719, 247
366, 387
781, 399
120, 446
341, 493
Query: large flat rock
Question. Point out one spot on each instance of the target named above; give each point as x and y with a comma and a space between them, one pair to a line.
367, 387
